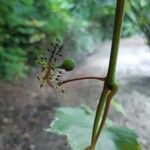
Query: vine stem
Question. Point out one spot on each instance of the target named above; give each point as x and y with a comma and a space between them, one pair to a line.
115, 41
110, 85
108, 101
81, 78
100, 106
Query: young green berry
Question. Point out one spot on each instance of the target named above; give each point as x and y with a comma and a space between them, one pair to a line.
68, 64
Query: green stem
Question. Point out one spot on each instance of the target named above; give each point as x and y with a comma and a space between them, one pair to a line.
108, 101
115, 42
100, 106
110, 82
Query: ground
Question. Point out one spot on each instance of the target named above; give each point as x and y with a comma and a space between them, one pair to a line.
25, 110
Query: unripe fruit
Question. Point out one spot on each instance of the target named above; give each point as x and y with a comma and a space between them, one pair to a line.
68, 64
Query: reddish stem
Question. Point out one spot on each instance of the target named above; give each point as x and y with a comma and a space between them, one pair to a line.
81, 78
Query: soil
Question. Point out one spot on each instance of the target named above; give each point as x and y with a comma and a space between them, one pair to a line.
25, 110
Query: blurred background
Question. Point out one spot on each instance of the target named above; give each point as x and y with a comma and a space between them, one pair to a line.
27, 27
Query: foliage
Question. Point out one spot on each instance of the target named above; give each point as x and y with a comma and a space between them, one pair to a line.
97, 20
11, 63
14, 37
26, 25
29, 25
23, 28
76, 124
139, 16
118, 107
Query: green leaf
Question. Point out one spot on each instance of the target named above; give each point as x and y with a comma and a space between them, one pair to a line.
36, 37
118, 107
76, 124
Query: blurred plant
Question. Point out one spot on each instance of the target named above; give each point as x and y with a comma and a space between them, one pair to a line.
23, 29
140, 17
28, 25
11, 63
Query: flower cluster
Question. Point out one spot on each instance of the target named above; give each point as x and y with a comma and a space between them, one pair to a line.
50, 69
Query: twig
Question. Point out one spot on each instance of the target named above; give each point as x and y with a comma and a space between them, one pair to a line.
81, 78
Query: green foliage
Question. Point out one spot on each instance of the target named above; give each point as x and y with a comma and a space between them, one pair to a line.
11, 63
140, 17
76, 124
18, 30
28, 24
118, 107
24, 25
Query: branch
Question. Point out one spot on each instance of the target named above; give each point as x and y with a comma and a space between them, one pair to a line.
81, 78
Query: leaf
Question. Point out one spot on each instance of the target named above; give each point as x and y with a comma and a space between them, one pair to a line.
76, 124
36, 37
118, 107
